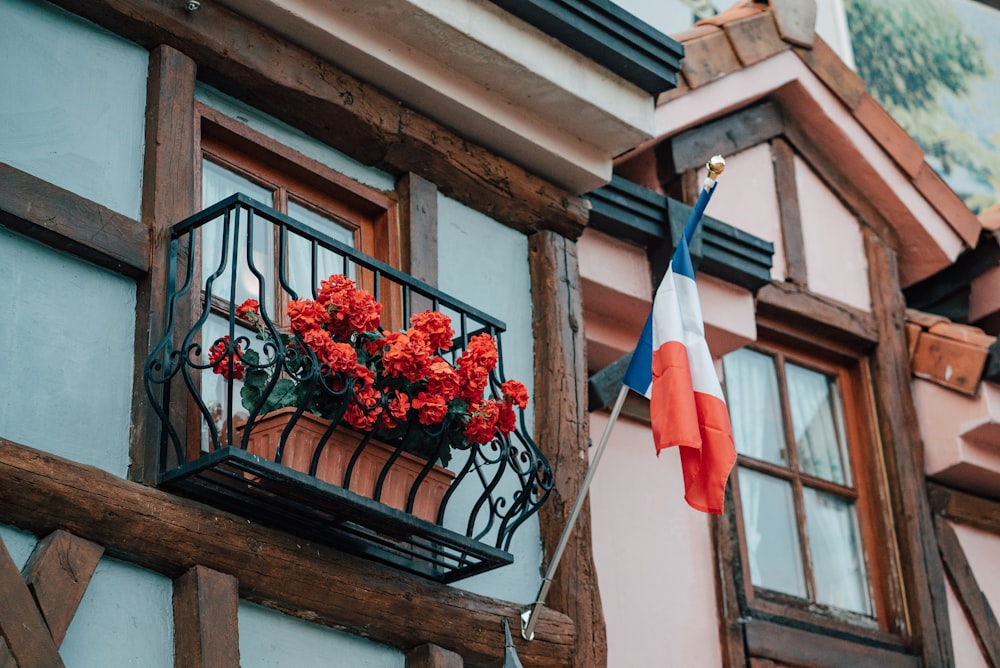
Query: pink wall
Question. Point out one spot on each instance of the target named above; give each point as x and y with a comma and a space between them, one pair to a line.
653, 555
835, 253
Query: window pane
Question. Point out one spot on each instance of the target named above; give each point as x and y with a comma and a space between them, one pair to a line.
300, 251
818, 424
772, 535
752, 395
217, 184
838, 564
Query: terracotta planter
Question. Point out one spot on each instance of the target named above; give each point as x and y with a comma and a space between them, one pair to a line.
332, 466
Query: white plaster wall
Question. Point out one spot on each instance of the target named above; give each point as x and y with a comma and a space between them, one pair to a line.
653, 554
125, 620
836, 265
271, 639
485, 264
65, 354
296, 139
73, 104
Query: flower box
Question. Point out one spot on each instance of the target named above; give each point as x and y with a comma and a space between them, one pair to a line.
300, 449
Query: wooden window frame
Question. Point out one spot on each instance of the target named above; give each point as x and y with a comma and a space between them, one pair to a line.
234, 145
889, 626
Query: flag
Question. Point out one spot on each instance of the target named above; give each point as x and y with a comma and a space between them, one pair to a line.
672, 366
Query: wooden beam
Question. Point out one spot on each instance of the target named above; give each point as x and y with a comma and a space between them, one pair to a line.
728, 136
206, 628
975, 604
418, 221
66, 221
168, 197
730, 592
21, 624
900, 435
248, 61
432, 656
40, 492
791, 646
790, 307
964, 508
788, 209
57, 574
562, 434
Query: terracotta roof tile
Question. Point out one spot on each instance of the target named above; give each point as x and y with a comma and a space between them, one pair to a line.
890, 135
840, 79
948, 362
991, 218
947, 353
707, 58
948, 204
755, 38
740, 10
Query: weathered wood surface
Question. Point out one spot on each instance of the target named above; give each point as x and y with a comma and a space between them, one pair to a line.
206, 627
797, 647
692, 148
40, 493
69, 222
969, 509
790, 307
787, 191
241, 58
561, 430
168, 197
57, 574
22, 626
432, 656
898, 427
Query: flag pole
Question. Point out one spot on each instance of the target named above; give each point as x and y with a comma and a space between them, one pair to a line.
529, 616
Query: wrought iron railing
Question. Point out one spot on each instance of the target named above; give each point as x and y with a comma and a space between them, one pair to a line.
227, 369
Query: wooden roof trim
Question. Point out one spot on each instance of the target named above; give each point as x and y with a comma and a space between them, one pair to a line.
749, 33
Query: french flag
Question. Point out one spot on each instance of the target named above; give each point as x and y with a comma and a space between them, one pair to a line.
672, 367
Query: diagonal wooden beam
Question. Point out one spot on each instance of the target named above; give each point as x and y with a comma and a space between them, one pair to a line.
977, 609
21, 624
57, 574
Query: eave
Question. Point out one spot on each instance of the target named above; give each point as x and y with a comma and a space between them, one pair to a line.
561, 109
743, 56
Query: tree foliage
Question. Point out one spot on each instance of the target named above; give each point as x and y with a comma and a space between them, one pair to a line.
909, 51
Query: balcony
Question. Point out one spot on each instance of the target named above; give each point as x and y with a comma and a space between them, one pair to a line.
410, 450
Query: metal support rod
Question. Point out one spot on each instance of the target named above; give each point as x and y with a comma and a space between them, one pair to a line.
529, 616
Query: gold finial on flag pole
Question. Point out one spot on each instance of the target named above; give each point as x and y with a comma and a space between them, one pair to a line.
715, 165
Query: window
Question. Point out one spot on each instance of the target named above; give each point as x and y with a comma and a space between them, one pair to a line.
806, 465
237, 159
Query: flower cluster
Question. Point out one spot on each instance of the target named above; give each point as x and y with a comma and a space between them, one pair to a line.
398, 385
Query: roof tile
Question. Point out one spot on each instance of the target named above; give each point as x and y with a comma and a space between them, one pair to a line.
890, 135
755, 38
948, 204
707, 58
840, 79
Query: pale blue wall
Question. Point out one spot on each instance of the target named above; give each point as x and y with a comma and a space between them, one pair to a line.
18, 543
271, 639
72, 108
485, 264
124, 620
65, 354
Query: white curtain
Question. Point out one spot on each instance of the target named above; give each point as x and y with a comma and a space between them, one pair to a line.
768, 513
300, 251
